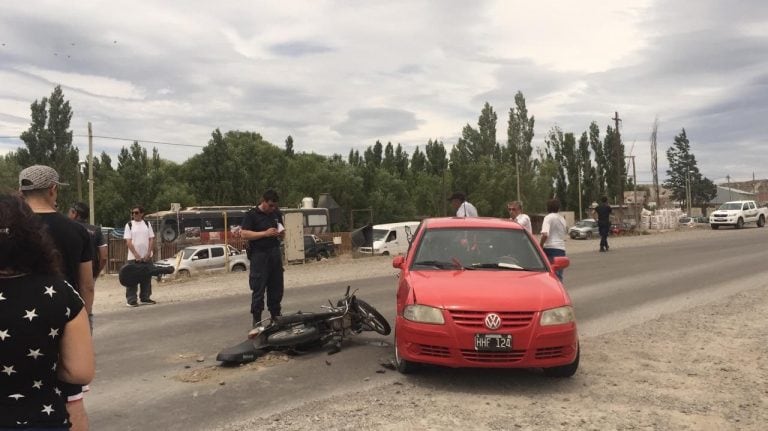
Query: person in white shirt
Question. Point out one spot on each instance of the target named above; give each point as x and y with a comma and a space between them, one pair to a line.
515, 209
140, 239
462, 207
553, 232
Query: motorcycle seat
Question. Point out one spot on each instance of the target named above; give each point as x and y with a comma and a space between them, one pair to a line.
306, 317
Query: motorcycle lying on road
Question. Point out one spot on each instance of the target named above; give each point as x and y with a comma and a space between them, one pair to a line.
302, 331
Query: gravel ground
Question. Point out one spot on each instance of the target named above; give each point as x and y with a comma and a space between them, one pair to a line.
702, 369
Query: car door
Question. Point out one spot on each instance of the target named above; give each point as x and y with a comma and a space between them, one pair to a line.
201, 260
218, 260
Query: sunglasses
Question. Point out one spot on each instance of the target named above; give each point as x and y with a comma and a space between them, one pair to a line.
135, 212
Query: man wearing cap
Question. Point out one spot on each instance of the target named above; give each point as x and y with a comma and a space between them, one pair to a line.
40, 184
462, 207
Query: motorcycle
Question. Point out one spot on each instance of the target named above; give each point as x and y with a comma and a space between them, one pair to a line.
302, 331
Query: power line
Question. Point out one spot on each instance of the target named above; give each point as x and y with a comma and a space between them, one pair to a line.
141, 140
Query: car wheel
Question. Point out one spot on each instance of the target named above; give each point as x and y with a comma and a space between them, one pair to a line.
238, 268
404, 366
564, 370
761, 221
322, 255
589, 235
715, 226
184, 273
740, 223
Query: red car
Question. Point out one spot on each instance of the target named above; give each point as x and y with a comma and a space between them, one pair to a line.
479, 292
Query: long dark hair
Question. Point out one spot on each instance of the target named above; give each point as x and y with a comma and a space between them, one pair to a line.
25, 246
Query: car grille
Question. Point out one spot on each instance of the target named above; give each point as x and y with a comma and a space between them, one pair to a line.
493, 357
549, 352
476, 319
437, 351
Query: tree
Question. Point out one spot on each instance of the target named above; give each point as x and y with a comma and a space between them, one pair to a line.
519, 148
683, 174
49, 141
289, 146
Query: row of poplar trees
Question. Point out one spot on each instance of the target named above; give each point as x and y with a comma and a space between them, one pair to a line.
235, 167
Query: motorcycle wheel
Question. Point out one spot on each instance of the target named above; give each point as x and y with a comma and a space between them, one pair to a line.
372, 318
293, 336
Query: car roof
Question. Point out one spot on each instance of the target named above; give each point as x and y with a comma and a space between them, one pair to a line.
205, 246
470, 222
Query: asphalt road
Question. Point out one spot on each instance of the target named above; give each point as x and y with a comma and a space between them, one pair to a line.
144, 358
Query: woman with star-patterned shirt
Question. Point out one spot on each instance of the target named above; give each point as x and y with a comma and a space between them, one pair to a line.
44, 335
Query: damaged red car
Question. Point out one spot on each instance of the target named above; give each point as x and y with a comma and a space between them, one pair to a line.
479, 292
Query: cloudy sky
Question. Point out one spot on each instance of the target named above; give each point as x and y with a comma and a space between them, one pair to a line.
338, 75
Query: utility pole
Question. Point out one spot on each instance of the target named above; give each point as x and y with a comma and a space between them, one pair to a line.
517, 174
580, 213
654, 162
619, 158
728, 177
90, 177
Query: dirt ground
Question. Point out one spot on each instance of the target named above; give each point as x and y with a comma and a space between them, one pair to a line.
702, 369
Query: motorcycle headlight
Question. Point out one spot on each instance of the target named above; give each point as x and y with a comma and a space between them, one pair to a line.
557, 316
423, 314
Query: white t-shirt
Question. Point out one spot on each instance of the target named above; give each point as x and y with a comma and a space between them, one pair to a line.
139, 235
466, 209
524, 221
555, 228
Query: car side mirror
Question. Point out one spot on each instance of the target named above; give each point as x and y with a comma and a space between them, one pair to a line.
560, 263
195, 257
398, 261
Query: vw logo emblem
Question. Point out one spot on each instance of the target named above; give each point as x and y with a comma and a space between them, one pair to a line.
492, 321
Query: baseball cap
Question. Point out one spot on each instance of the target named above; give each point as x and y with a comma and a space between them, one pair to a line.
457, 195
38, 177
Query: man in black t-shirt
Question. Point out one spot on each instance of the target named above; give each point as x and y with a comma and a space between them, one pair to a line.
263, 227
603, 212
40, 184
79, 212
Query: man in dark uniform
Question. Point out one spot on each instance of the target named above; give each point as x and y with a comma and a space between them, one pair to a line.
263, 227
603, 212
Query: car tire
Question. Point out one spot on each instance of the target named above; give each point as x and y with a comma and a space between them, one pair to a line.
740, 223
184, 273
564, 370
761, 221
404, 366
589, 235
715, 226
238, 268
322, 255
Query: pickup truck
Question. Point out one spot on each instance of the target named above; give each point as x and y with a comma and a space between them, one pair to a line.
315, 248
737, 213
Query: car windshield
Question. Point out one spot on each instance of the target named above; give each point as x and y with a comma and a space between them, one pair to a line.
730, 206
187, 253
583, 223
380, 234
494, 249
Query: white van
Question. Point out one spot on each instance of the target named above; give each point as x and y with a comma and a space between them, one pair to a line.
392, 239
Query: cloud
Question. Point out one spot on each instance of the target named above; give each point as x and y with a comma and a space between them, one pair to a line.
377, 122
298, 49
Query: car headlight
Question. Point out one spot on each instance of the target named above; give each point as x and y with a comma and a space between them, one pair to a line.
557, 316
423, 314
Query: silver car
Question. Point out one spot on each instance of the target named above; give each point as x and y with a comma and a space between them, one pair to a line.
205, 258
584, 229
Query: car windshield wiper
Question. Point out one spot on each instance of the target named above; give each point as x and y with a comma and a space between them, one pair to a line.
498, 265
441, 264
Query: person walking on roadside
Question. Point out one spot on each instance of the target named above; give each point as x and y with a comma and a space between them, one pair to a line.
462, 207
263, 227
515, 209
603, 215
553, 232
39, 184
44, 336
140, 239
79, 212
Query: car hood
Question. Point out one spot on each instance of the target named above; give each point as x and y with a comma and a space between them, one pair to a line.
483, 289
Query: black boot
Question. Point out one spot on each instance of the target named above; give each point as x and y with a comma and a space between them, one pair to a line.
256, 319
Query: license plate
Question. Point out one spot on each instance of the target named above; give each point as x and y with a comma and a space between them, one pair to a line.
493, 342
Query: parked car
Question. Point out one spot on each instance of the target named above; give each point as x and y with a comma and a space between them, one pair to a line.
584, 229
204, 258
621, 229
315, 248
479, 292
